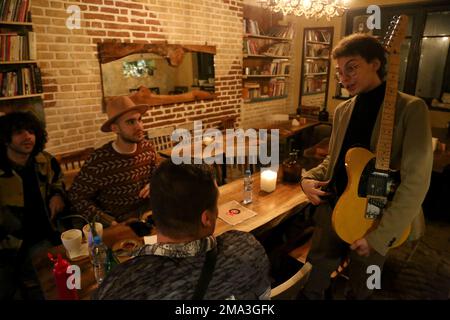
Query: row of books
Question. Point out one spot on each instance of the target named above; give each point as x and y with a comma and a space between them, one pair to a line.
274, 88
252, 27
316, 67
15, 47
278, 49
22, 81
15, 10
286, 32
317, 51
318, 36
312, 85
279, 66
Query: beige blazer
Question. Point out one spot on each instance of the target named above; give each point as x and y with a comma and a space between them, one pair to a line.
411, 154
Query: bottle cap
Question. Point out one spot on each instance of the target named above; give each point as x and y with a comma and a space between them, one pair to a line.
97, 240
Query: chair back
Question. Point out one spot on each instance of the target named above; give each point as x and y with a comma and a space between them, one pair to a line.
73, 160
227, 122
161, 137
289, 289
279, 118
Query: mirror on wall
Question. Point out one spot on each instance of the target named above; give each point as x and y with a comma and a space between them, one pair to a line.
157, 73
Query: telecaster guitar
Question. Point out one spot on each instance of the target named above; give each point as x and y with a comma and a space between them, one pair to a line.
371, 183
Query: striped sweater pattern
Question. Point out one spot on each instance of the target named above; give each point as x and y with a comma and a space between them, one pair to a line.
109, 183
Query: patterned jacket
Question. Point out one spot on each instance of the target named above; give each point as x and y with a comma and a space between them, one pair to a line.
12, 200
108, 184
171, 271
411, 154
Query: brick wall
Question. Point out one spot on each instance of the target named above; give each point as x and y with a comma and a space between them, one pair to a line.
71, 71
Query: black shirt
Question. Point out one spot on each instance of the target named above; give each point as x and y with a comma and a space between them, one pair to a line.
359, 131
36, 225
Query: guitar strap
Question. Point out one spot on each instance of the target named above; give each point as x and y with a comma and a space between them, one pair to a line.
206, 274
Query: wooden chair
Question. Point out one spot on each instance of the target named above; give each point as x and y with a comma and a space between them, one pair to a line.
71, 163
289, 289
161, 137
227, 123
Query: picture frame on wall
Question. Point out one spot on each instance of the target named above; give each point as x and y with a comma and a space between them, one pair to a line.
360, 24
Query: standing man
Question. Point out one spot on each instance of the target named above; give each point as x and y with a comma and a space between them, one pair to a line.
114, 183
361, 65
31, 196
188, 261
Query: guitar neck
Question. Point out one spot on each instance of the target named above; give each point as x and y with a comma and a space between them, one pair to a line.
384, 145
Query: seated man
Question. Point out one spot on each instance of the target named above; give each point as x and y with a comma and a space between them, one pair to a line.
113, 184
31, 195
184, 200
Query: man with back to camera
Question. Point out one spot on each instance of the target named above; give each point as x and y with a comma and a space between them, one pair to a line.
184, 201
31, 197
361, 65
113, 184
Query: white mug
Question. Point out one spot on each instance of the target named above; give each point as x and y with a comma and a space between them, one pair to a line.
71, 240
87, 230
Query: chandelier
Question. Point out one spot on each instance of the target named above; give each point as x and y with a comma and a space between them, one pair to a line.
308, 8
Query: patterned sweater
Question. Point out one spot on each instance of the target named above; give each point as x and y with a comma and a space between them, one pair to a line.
171, 271
109, 183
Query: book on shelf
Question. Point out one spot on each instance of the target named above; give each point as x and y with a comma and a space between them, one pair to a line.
19, 81
314, 84
319, 36
278, 49
14, 10
17, 47
286, 32
251, 27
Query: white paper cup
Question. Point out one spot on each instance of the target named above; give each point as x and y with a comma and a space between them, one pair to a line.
71, 240
87, 230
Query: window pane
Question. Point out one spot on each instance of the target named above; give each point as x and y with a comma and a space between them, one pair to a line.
438, 24
431, 66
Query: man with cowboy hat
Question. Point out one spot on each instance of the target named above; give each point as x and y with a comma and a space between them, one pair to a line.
114, 183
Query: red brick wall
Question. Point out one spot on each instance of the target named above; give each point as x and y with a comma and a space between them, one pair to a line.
71, 71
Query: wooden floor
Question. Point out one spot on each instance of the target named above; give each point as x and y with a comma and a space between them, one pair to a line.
415, 271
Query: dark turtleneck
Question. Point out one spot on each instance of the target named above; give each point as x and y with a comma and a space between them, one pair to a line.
359, 130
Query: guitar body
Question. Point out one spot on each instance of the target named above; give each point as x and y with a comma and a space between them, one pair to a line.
352, 218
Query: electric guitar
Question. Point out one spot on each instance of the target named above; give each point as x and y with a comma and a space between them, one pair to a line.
371, 183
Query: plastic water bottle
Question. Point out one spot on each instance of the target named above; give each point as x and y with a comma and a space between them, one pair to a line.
100, 259
248, 187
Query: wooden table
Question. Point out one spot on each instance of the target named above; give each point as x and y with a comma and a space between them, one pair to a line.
219, 150
271, 209
287, 129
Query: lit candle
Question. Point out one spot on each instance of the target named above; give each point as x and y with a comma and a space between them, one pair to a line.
268, 180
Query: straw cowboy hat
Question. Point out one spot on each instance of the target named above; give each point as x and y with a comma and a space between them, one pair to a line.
118, 106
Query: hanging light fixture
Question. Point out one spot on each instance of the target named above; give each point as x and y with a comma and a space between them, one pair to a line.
307, 8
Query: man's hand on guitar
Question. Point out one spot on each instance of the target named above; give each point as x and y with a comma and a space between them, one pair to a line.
362, 247
311, 188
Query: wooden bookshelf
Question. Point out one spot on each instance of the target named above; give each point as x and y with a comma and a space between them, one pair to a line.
18, 62
256, 36
267, 55
16, 24
26, 96
316, 62
247, 76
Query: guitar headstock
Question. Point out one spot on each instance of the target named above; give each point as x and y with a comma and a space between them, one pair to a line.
395, 34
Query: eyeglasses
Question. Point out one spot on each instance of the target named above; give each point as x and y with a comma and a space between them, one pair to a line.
349, 71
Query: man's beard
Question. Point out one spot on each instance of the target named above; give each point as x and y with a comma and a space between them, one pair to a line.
132, 139
21, 151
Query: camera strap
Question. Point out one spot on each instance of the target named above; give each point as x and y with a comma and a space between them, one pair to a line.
206, 274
